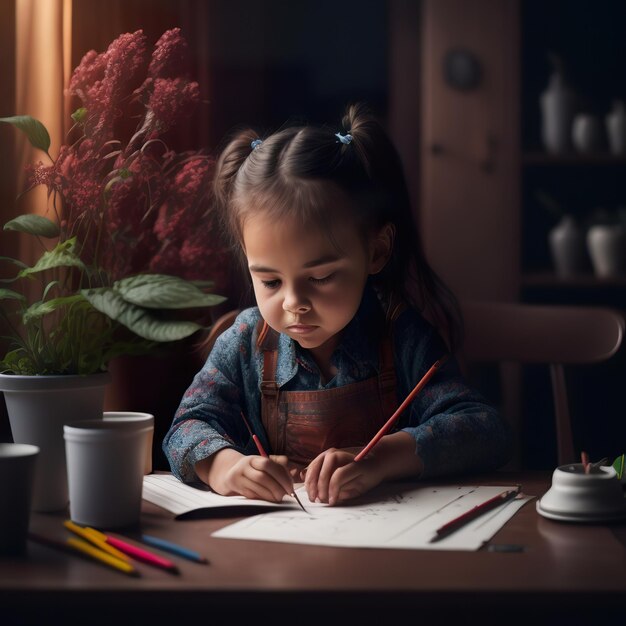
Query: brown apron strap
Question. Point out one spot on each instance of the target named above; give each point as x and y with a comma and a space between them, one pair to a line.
387, 377
270, 411
268, 343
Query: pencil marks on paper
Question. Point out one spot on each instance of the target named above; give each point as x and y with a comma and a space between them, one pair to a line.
404, 518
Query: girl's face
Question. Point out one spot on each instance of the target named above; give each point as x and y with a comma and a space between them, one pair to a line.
309, 282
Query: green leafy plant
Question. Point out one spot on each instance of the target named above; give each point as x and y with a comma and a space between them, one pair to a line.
68, 328
130, 251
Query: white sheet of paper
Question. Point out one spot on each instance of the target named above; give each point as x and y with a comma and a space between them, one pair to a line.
394, 516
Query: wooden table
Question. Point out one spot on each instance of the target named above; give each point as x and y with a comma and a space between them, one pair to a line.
566, 574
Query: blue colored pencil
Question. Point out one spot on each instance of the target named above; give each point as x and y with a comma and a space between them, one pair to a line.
168, 546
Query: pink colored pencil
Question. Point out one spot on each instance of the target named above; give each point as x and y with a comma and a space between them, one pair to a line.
142, 555
391, 421
584, 459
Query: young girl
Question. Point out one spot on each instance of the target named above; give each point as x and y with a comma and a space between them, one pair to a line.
339, 336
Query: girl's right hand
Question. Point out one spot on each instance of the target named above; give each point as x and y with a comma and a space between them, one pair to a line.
258, 478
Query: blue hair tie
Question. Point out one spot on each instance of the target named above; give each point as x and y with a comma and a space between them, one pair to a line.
345, 139
256, 143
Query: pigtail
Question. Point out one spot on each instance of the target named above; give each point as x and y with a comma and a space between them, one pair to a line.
228, 164
408, 275
288, 174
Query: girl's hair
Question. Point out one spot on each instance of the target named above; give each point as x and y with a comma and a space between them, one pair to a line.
292, 172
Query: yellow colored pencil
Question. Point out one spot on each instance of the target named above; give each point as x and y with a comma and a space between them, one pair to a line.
96, 537
95, 553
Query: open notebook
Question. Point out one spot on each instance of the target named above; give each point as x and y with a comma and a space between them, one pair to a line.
197, 500
395, 515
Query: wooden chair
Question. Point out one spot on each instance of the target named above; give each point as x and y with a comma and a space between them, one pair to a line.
511, 334
507, 333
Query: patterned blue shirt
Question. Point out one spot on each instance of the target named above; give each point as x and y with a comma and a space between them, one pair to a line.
454, 428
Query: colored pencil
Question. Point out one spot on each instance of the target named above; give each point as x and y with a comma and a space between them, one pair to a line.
81, 547
584, 459
392, 420
104, 557
472, 514
261, 449
96, 538
142, 555
131, 550
174, 548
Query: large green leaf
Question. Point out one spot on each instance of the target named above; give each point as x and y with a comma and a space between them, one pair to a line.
34, 129
160, 291
39, 309
62, 256
33, 225
139, 320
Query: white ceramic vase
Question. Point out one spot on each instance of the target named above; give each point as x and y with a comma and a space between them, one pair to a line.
558, 107
568, 247
607, 249
587, 133
616, 128
38, 408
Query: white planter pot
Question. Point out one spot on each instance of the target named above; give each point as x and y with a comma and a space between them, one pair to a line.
607, 249
38, 407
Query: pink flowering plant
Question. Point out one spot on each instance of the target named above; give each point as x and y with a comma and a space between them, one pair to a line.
131, 253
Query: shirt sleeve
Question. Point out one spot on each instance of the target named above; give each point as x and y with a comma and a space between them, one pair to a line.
455, 429
209, 415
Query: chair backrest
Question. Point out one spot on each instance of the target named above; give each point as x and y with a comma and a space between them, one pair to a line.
555, 335
502, 333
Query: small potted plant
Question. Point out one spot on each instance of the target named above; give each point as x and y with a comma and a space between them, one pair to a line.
129, 248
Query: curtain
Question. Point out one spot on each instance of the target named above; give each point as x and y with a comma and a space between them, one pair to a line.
42, 41
42, 68
8, 243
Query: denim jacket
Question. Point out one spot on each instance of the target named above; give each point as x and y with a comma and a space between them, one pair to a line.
454, 428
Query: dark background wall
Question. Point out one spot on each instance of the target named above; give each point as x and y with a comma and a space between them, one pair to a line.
263, 63
280, 60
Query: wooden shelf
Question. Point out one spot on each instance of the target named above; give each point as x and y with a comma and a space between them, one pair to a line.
583, 281
579, 160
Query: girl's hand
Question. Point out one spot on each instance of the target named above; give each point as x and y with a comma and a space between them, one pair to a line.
295, 470
257, 477
333, 476
229, 473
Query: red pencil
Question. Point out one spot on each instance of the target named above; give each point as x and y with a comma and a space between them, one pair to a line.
479, 509
256, 440
391, 421
262, 452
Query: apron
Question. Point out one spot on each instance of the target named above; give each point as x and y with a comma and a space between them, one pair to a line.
302, 424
